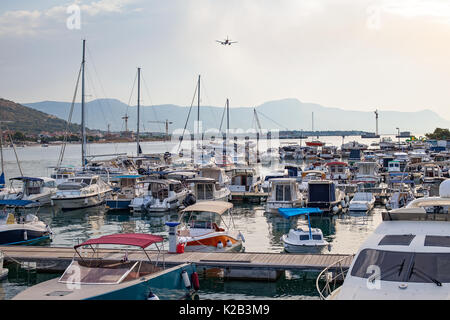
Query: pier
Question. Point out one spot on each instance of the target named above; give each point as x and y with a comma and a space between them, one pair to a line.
235, 265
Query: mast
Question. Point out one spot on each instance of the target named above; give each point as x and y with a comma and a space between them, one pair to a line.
1, 149
198, 114
138, 111
376, 122
83, 128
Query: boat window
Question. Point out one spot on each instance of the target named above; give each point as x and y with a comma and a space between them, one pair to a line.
304, 237
102, 273
317, 237
437, 241
287, 193
279, 193
403, 266
396, 240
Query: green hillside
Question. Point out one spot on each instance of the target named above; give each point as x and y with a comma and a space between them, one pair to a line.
30, 121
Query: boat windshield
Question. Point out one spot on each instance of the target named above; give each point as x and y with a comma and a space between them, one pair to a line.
82, 272
201, 219
425, 267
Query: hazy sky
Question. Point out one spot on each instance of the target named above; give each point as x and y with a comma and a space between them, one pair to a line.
351, 54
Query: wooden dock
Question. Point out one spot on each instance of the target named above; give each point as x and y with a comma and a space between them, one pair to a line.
247, 265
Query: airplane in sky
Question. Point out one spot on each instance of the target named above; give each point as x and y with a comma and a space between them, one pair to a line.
226, 41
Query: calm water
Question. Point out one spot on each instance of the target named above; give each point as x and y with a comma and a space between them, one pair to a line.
262, 231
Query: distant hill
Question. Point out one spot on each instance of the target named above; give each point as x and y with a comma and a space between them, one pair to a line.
283, 114
31, 121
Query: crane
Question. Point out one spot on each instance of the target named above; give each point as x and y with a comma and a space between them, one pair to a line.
167, 122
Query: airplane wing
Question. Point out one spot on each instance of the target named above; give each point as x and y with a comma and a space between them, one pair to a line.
219, 41
232, 42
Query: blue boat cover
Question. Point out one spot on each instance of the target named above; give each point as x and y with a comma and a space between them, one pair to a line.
130, 176
292, 212
18, 203
2, 180
398, 173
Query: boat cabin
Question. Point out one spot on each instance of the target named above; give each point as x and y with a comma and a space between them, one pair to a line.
31, 186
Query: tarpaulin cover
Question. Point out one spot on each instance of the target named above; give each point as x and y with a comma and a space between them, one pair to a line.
292, 212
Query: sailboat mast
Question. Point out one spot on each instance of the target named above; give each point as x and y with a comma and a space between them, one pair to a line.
228, 116
83, 128
138, 110
198, 112
1, 148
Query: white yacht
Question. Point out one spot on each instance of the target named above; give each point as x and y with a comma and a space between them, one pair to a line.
284, 193
211, 184
160, 195
81, 192
406, 258
432, 173
266, 184
244, 180
38, 191
362, 201
367, 172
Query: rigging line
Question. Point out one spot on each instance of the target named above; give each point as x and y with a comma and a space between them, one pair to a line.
66, 133
273, 121
151, 102
205, 93
131, 94
100, 83
14, 148
187, 120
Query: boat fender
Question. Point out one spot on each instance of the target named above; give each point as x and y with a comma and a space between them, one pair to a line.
347, 198
343, 203
219, 245
335, 209
187, 282
195, 281
241, 236
152, 296
229, 243
25, 235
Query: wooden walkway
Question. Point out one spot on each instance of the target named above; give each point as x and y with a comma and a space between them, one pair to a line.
58, 258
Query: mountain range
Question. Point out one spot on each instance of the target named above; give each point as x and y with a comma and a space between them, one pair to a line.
286, 114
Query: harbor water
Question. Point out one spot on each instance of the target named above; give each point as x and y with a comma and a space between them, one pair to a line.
262, 231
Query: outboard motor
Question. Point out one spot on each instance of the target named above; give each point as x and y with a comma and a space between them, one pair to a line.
189, 200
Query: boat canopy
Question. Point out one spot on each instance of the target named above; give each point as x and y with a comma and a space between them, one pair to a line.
292, 212
219, 207
15, 203
128, 239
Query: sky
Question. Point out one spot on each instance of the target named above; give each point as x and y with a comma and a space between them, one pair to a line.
349, 54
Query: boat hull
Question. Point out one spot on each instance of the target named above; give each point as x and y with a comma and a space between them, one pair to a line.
80, 202
22, 235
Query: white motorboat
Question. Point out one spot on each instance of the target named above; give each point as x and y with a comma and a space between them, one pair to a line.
36, 190
26, 229
81, 192
244, 180
266, 184
432, 173
325, 195
160, 196
284, 193
200, 228
406, 258
362, 201
301, 240
212, 184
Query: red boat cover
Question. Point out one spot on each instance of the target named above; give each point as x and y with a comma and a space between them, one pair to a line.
337, 163
129, 239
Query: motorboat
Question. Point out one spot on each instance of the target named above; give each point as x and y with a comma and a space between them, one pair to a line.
160, 196
211, 184
26, 229
200, 228
127, 188
367, 172
122, 274
400, 198
294, 171
362, 201
266, 184
406, 257
36, 190
244, 180
81, 192
338, 170
301, 240
284, 193
432, 173
325, 195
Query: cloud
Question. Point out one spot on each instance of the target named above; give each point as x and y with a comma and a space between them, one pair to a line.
26, 23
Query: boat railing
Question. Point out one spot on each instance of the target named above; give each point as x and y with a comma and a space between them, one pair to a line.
333, 275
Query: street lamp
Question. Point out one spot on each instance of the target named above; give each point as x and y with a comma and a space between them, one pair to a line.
398, 137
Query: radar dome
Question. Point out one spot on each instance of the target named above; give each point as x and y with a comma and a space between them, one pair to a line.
444, 189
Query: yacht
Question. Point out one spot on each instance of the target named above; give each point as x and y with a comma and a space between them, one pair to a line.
367, 172
432, 173
284, 193
338, 170
127, 188
201, 228
211, 184
38, 191
81, 192
244, 180
325, 195
160, 195
406, 258
266, 184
